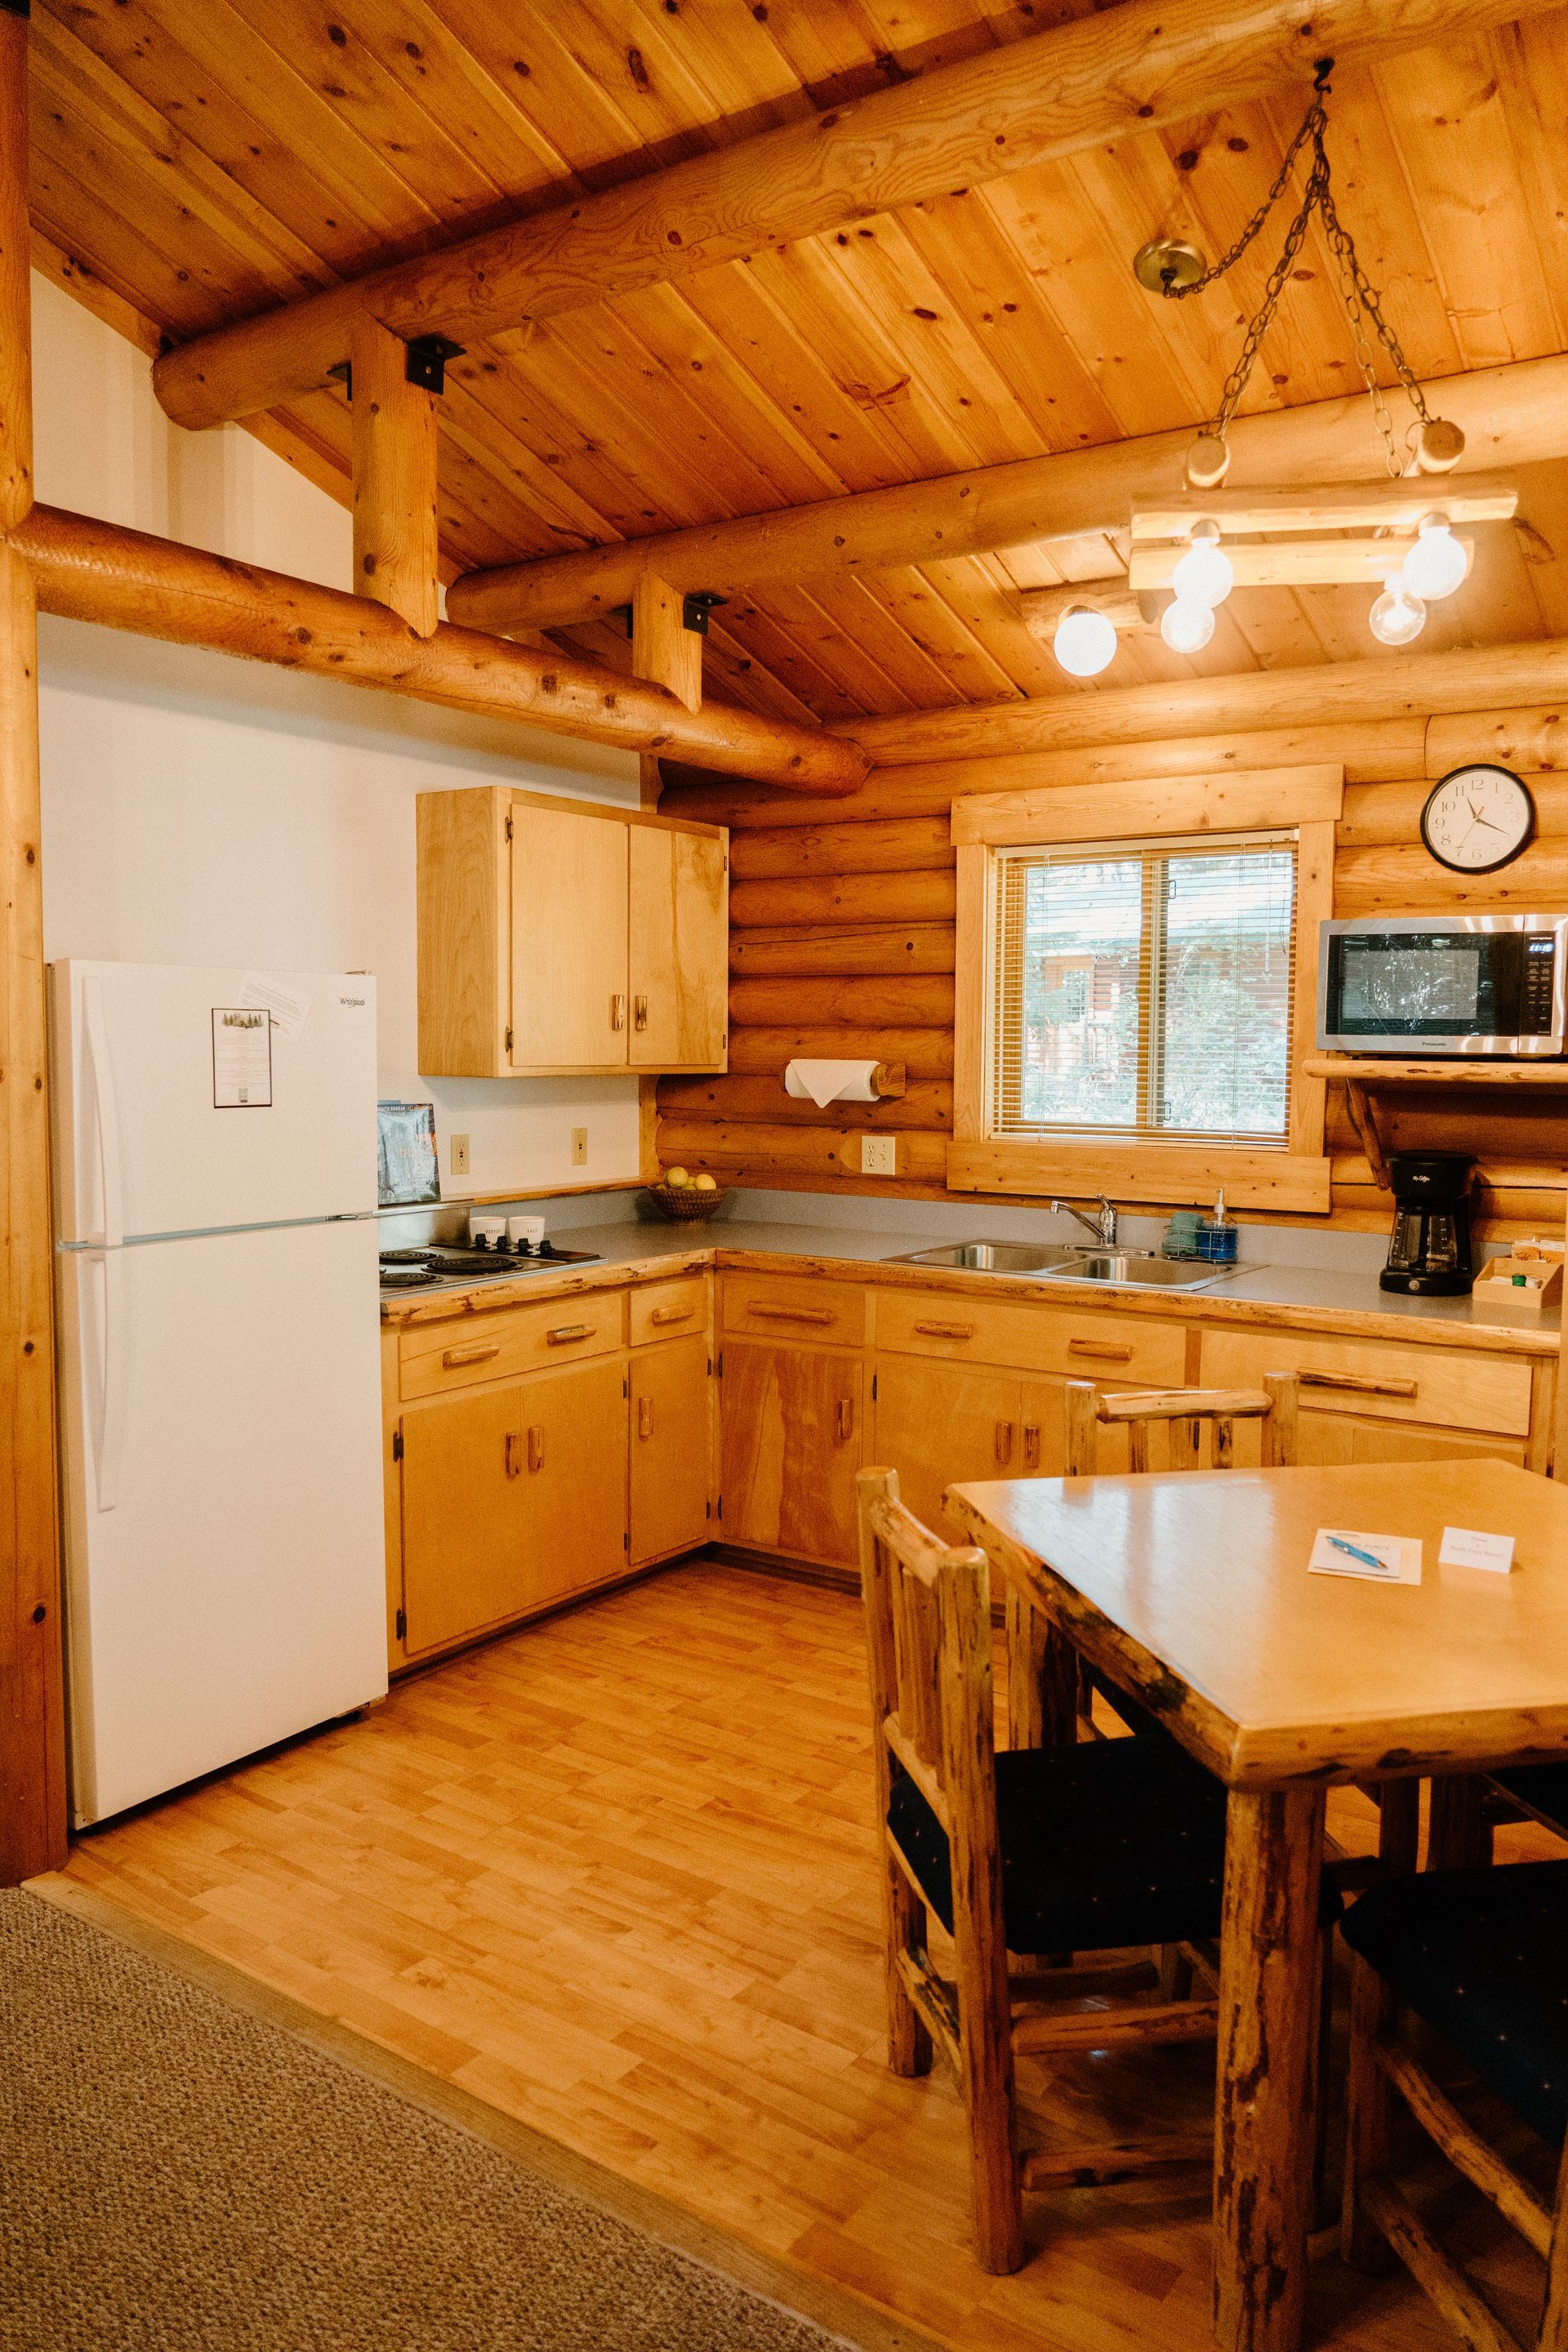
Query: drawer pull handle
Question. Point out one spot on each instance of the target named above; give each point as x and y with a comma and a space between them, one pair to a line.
536, 1448
671, 1314
452, 1357
1363, 1383
563, 1332
946, 1330
617, 1012
845, 1417
513, 1453
639, 1013
791, 1314
1004, 1443
1100, 1347
645, 1416
1031, 1446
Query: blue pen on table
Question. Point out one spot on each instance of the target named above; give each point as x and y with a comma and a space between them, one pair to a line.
1383, 1567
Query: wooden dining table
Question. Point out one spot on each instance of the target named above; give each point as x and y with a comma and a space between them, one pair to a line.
1192, 1592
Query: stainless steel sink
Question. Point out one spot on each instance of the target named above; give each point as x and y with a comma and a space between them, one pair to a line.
1140, 1270
995, 1257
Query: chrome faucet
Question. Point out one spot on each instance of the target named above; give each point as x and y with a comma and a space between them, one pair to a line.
1103, 1226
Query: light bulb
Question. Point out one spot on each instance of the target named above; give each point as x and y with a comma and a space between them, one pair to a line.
1397, 617
1435, 564
1084, 641
1186, 627
1205, 575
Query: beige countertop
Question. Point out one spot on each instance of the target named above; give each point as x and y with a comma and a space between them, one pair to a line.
1299, 1297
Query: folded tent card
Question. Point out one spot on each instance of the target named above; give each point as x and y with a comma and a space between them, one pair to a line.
1380, 1559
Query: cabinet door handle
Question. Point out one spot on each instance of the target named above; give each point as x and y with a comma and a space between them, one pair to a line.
639, 1013
452, 1357
791, 1314
536, 1448
617, 1012
671, 1314
1363, 1383
946, 1330
645, 1416
565, 1332
1031, 1446
845, 1417
1100, 1347
513, 1453
1004, 1443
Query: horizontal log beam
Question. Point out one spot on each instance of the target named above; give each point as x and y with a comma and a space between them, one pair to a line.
1408, 880
762, 1050
90, 571
901, 847
1065, 89
1511, 416
762, 1101
912, 1001
755, 1153
820, 952
921, 897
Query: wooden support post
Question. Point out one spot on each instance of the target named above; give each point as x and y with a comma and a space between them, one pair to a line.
663, 648
394, 438
32, 1749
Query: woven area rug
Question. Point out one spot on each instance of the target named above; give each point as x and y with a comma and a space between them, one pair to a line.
179, 2176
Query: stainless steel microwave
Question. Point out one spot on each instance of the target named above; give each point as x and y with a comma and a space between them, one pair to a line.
1417, 984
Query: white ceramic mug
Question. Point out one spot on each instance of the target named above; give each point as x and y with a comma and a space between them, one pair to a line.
528, 1231
485, 1232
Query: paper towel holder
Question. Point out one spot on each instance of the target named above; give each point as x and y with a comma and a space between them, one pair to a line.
889, 1081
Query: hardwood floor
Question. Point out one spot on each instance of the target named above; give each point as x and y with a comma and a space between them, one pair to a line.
616, 1875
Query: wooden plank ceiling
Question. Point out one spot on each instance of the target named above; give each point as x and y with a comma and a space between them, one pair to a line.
207, 159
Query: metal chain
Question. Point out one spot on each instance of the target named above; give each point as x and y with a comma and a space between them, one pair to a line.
1361, 301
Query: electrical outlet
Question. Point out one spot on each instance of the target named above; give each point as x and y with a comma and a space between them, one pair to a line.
458, 1155
579, 1147
878, 1155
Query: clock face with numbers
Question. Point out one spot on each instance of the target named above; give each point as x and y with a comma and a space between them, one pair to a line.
1478, 819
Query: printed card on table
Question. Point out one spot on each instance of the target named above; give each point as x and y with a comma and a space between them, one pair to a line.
1377, 1560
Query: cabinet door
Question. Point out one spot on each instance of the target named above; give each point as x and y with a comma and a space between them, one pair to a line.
936, 1425
568, 940
573, 1478
790, 1420
1335, 1438
680, 951
464, 1521
670, 1448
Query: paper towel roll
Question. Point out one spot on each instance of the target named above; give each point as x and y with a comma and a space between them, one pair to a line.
825, 1082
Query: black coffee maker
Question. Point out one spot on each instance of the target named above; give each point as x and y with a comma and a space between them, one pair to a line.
1429, 1249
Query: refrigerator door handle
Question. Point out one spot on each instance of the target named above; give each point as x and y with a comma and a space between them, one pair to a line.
106, 1117
109, 1431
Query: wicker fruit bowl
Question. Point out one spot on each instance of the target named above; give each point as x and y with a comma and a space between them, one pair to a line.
683, 1204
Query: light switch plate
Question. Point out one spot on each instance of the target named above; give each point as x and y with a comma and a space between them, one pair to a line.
579, 1147
878, 1155
458, 1155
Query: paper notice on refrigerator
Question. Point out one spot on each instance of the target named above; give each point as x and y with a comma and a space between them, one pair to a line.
289, 1007
242, 1057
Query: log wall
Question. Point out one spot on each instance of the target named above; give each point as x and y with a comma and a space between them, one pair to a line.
842, 943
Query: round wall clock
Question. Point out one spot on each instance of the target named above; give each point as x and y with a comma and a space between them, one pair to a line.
1478, 818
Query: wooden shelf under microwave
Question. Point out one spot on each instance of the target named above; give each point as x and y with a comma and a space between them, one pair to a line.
1364, 1075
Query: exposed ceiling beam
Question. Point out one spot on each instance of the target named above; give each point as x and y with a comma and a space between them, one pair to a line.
1511, 416
1142, 65
90, 571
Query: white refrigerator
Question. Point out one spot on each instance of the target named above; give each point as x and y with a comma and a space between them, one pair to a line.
219, 1364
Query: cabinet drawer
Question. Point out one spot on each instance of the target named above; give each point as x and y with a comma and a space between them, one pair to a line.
1439, 1386
797, 1306
441, 1356
668, 1310
1087, 1344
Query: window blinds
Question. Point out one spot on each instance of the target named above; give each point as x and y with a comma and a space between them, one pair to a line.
1144, 988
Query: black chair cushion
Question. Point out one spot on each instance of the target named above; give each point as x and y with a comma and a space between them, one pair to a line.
1482, 1954
1110, 1844
1541, 1789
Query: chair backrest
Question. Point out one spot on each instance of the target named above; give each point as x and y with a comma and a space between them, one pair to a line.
1186, 1413
927, 1636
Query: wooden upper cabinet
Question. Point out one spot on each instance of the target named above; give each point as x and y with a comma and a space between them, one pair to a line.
560, 936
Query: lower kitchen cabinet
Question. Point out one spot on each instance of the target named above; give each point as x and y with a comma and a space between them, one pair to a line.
936, 1425
671, 1406
791, 1442
573, 1478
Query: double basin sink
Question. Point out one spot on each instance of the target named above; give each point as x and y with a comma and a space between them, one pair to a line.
1116, 1269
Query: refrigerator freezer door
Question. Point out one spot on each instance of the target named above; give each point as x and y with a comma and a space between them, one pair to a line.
226, 1578
171, 1120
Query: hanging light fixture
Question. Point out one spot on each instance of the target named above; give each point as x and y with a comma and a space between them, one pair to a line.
1085, 641
1434, 563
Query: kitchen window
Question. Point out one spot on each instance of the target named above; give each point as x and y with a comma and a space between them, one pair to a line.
1143, 989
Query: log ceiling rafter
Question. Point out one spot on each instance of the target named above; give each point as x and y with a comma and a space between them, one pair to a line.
1142, 66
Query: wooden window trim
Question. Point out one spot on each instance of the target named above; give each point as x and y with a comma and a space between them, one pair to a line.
1295, 1180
